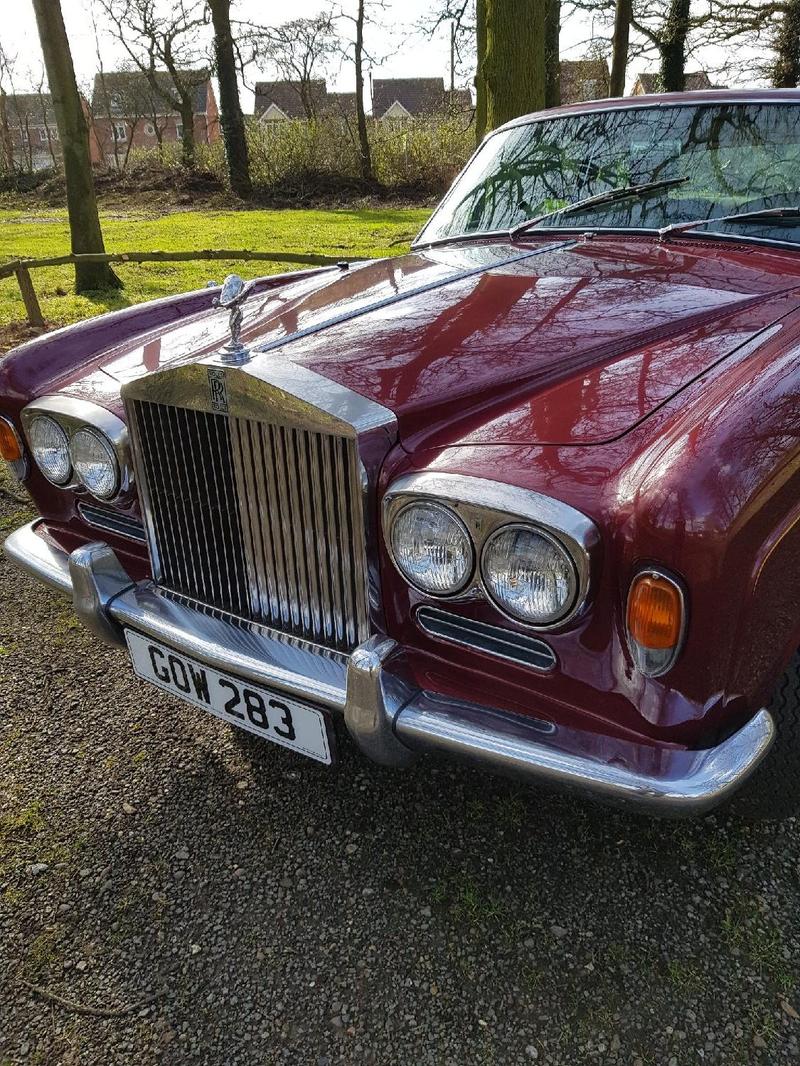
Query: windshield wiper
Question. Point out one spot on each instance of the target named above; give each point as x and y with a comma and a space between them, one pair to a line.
744, 216
598, 199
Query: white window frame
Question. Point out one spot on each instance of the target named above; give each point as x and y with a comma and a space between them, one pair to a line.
120, 131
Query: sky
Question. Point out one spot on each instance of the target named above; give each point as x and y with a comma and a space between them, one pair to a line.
404, 52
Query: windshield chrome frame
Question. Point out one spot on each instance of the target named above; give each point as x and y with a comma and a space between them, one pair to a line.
763, 97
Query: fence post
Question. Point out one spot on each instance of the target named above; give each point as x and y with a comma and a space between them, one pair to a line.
29, 298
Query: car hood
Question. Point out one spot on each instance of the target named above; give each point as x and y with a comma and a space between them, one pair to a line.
568, 341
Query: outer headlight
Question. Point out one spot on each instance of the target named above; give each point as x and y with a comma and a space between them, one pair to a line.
95, 463
50, 449
432, 548
529, 575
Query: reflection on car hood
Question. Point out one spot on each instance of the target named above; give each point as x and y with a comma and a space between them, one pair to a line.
565, 341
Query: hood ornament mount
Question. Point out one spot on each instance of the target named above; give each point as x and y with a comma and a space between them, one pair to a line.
232, 295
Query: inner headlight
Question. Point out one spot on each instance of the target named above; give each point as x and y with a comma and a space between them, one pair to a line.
432, 548
95, 463
50, 449
529, 575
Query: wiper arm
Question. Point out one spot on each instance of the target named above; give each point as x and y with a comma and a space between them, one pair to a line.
743, 216
599, 198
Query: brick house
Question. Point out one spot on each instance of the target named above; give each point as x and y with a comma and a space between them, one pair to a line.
29, 127
128, 113
695, 81
406, 98
288, 101
584, 79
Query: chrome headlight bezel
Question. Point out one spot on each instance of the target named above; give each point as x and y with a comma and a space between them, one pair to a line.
485, 507
72, 415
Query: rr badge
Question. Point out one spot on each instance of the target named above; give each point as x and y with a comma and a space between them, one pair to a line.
217, 390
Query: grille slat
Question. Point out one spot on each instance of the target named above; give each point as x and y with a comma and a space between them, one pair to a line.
260, 520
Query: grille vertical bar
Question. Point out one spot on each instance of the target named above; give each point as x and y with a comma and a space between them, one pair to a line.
261, 520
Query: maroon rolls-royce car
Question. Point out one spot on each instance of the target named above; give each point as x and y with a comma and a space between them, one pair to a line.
528, 495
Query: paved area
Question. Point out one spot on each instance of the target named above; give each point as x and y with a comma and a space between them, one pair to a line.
171, 894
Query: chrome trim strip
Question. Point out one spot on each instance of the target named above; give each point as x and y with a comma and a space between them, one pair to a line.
500, 643
388, 716
408, 294
484, 506
112, 522
73, 414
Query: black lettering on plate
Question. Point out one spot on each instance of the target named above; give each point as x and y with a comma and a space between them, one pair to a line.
161, 672
200, 682
178, 673
287, 732
234, 701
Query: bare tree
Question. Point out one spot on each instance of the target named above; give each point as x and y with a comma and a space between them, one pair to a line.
169, 34
84, 221
299, 51
230, 107
354, 49
7, 63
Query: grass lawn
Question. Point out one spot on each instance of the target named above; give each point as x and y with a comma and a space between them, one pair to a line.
352, 233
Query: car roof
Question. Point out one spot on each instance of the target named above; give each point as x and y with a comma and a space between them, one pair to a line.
701, 96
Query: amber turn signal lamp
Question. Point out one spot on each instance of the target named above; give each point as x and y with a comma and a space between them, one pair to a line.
655, 622
10, 446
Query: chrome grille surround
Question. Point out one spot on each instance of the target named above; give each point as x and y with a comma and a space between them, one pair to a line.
258, 494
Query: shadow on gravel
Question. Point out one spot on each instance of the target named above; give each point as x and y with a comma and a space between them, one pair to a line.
282, 912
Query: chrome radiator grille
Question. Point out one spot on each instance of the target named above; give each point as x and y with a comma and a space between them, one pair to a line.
259, 520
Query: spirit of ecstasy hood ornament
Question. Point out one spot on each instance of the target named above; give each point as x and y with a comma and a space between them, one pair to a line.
232, 295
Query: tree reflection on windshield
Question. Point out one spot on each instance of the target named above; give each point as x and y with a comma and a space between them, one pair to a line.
734, 156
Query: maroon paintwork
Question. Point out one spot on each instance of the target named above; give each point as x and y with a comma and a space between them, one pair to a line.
653, 385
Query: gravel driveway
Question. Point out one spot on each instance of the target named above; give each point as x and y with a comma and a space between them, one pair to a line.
224, 902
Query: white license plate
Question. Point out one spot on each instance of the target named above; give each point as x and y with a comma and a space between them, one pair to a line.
271, 715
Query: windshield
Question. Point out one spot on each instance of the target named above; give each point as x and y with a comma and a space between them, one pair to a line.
722, 158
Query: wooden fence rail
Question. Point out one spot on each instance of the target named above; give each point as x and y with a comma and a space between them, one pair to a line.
21, 268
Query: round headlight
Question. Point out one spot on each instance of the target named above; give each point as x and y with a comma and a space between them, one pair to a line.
50, 449
529, 575
95, 463
432, 548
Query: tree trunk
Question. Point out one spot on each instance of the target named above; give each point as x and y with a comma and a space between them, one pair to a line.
84, 221
5, 134
673, 47
186, 111
480, 81
365, 153
552, 60
514, 67
233, 129
619, 47
786, 72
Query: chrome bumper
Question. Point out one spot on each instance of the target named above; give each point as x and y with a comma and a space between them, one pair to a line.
390, 718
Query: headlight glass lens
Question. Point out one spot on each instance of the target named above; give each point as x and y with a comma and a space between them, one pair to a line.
50, 449
432, 548
529, 575
95, 463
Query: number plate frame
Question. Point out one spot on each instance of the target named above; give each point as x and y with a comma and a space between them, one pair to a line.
215, 691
